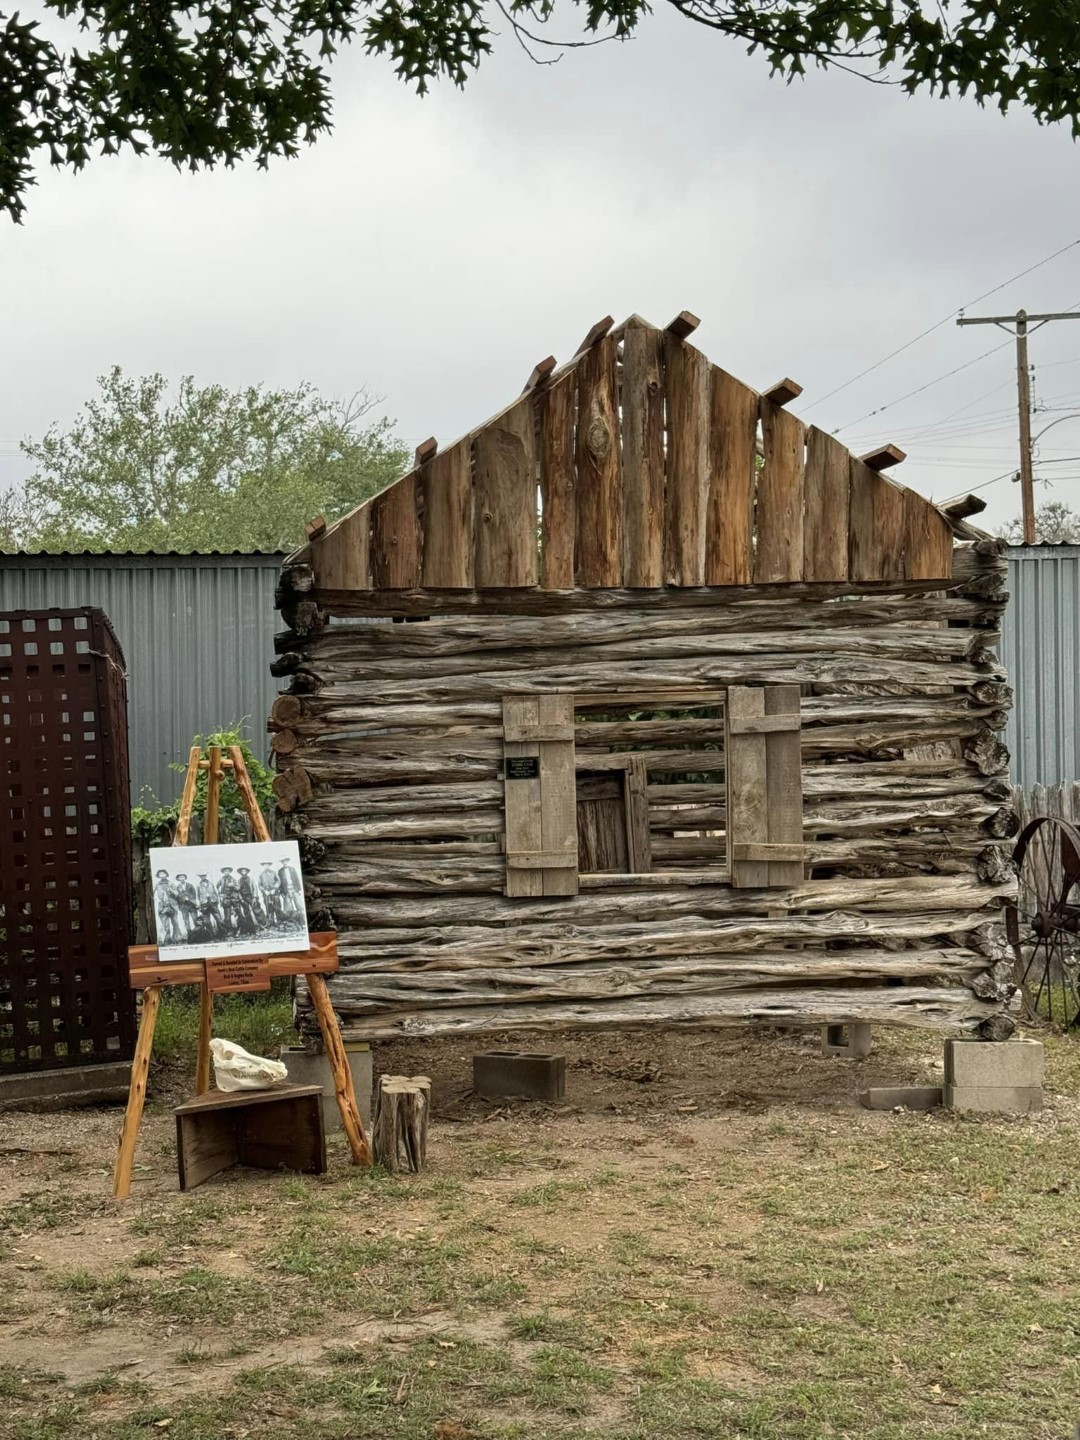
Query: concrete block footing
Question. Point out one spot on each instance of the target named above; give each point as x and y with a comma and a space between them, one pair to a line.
67, 1087
854, 1041
902, 1097
306, 1068
499, 1073
1002, 1076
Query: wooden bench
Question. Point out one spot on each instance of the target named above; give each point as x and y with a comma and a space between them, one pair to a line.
280, 1128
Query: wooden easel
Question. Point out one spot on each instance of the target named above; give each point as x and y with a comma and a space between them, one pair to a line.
149, 974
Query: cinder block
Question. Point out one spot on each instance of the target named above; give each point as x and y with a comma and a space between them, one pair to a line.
910, 1097
306, 1068
995, 1099
66, 1088
853, 1041
497, 1073
994, 1063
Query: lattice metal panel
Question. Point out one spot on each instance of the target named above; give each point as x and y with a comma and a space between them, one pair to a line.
65, 847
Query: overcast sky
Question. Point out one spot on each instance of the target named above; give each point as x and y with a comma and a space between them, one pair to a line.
435, 250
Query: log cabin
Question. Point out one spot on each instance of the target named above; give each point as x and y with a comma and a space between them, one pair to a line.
645, 703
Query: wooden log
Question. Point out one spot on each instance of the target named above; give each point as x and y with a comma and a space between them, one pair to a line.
599, 470
826, 518
925, 1007
877, 526
733, 419
556, 415
395, 536
643, 457
973, 573
505, 511
400, 1123
779, 514
292, 788
446, 486
687, 389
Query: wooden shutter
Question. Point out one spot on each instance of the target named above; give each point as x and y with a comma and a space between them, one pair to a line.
541, 806
764, 785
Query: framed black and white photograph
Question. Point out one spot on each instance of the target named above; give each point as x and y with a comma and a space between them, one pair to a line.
214, 900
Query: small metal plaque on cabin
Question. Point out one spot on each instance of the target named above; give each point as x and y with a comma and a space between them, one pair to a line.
523, 767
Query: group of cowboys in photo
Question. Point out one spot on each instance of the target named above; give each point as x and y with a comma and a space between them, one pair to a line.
236, 904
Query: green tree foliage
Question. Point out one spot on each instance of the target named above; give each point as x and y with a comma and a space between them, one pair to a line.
202, 469
204, 82
1055, 524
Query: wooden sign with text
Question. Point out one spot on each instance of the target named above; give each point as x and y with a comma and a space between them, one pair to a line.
145, 969
237, 972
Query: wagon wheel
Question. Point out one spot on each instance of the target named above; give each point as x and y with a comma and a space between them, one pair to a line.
1043, 924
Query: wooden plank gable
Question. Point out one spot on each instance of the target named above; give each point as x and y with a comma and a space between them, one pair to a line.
638, 464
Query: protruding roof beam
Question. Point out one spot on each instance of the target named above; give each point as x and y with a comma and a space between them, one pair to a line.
684, 324
540, 373
783, 392
314, 528
883, 457
426, 449
598, 331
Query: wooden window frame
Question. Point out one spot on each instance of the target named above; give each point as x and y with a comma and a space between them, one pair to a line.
763, 792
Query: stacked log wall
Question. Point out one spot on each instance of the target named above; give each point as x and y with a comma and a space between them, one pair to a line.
390, 749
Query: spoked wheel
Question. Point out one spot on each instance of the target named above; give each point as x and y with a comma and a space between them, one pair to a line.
1044, 923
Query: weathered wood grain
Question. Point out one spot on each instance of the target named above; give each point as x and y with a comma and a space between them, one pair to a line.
505, 517
826, 513
779, 511
599, 470
556, 408
395, 536
446, 485
877, 530
687, 389
643, 456
729, 530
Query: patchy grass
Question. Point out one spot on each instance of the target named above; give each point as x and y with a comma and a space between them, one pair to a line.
261, 1023
791, 1272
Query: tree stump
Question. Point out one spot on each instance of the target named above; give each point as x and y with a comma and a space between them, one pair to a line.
399, 1125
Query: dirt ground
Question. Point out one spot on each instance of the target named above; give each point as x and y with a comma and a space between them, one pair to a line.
708, 1237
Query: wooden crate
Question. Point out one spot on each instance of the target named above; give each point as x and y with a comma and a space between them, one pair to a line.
279, 1128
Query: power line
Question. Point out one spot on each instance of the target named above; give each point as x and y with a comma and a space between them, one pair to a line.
938, 324
928, 386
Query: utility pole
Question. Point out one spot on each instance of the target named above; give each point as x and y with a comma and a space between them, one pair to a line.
1018, 325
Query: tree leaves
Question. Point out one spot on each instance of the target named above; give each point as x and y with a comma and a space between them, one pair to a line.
204, 469
207, 82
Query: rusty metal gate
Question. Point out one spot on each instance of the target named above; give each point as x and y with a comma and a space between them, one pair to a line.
65, 848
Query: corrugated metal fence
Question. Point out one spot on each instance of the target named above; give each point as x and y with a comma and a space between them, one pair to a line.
197, 633
1040, 646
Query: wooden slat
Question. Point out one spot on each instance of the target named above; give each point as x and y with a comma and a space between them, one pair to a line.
558, 799
733, 476
636, 792
395, 537
876, 532
746, 779
448, 520
540, 373
686, 385
768, 852
643, 457
783, 392
596, 332
826, 508
599, 471
779, 512
522, 800
555, 407
544, 860
341, 557
762, 724
505, 513
928, 541
783, 769
684, 324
